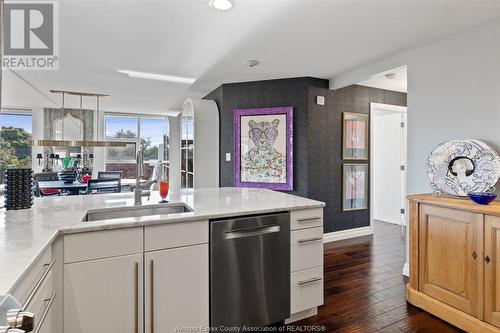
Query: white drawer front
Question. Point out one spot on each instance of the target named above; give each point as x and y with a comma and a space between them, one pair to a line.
306, 289
42, 304
170, 235
102, 244
306, 248
307, 218
29, 281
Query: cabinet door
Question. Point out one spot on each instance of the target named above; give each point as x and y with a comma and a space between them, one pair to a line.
449, 260
177, 289
104, 295
492, 270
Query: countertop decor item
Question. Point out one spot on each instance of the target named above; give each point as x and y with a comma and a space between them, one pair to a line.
461, 166
482, 198
263, 148
18, 188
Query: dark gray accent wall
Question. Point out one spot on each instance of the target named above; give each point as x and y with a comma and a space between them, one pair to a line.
269, 93
325, 153
317, 134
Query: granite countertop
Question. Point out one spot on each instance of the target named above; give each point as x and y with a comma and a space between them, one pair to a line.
24, 234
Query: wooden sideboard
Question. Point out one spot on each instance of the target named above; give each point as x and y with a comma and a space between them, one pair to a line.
454, 261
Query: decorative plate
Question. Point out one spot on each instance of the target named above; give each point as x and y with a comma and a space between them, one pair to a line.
458, 167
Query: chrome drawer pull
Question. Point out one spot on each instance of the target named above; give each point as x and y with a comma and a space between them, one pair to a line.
309, 219
39, 283
303, 282
45, 313
308, 240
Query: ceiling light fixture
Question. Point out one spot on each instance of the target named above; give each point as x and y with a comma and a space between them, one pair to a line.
159, 77
390, 76
221, 4
251, 63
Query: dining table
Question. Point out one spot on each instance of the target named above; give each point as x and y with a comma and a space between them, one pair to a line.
75, 187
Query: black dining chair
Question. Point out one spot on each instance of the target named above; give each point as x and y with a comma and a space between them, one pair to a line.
44, 176
109, 174
111, 185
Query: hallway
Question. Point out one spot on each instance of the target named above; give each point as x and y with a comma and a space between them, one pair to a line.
364, 288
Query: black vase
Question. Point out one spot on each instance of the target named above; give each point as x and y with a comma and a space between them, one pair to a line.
67, 175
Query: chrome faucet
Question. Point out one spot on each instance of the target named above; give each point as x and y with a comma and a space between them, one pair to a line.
139, 173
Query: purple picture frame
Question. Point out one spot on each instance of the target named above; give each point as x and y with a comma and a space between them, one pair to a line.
238, 113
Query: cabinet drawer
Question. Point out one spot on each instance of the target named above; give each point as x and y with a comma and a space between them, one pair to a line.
29, 281
102, 244
42, 304
306, 248
306, 289
307, 218
165, 236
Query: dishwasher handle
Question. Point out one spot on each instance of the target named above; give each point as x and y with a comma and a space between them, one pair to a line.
249, 232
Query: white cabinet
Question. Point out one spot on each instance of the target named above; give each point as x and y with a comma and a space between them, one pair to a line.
177, 289
104, 295
199, 148
306, 259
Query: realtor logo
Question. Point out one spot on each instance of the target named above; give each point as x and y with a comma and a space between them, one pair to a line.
30, 35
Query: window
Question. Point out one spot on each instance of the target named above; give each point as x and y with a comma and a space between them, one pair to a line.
15, 141
147, 132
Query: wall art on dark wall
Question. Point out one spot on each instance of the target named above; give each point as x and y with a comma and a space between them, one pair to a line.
355, 187
263, 148
354, 136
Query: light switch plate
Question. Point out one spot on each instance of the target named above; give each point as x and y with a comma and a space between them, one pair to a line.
228, 157
320, 100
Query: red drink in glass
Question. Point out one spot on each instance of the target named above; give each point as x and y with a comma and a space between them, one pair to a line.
163, 190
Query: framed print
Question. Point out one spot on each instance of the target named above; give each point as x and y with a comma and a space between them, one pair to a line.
355, 187
354, 136
263, 148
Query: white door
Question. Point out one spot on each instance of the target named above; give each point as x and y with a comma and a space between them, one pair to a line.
177, 289
388, 163
104, 295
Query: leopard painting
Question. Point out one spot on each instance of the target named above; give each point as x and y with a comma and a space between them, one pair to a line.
263, 163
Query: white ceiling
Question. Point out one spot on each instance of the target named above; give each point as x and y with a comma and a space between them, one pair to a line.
396, 83
187, 38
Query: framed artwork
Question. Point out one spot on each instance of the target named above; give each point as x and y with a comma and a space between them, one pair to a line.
263, 148
355, 187
354, 136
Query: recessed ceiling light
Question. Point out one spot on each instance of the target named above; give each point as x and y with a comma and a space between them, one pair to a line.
159, 77
251, 63
221, 4
390, 76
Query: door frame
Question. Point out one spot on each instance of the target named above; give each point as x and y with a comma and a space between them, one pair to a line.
404, 191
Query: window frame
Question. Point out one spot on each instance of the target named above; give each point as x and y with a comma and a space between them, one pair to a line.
136, 140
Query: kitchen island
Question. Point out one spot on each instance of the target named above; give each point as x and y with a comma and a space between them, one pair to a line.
52, 236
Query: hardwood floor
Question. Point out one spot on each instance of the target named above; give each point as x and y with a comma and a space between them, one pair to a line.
365, 289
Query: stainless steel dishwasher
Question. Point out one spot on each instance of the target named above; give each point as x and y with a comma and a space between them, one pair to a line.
250, 270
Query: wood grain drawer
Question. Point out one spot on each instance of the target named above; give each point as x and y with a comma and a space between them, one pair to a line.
306, 289
306, 248
28, 282
102, 244
306, 218
170, 235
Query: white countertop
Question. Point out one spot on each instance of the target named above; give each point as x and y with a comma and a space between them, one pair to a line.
24, 234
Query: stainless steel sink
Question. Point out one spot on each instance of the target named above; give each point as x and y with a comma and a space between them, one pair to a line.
135, 211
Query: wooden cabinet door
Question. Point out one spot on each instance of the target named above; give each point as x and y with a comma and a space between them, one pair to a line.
449, 260
177, 289
104, 295
492, 270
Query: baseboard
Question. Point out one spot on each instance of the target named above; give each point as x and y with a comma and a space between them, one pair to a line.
406, 270
346, 234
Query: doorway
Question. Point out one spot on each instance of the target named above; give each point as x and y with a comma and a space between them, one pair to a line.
388, 163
